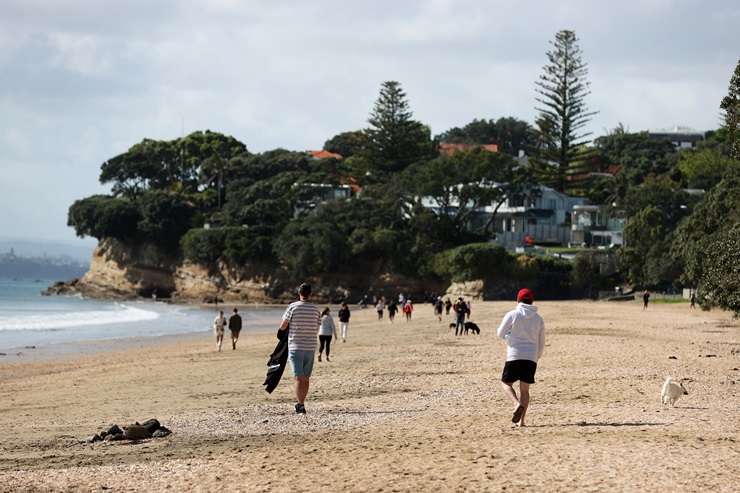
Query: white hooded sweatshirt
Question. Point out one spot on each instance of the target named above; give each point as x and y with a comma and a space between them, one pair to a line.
524, 332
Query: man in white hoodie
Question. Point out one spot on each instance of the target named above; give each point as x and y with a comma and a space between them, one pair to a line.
524, 332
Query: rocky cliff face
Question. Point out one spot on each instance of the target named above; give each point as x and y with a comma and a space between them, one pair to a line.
124, 271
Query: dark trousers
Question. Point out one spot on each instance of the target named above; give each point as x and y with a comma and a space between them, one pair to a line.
324, 340
460, 323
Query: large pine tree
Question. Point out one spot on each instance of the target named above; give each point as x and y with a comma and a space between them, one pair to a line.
395, 139
560, 154
731, 108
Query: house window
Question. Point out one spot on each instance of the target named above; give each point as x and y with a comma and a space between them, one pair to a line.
532, 221
516, 201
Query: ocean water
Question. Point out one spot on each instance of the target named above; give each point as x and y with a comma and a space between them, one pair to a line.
29, 319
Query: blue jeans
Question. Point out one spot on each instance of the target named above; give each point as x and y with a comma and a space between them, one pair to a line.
301, 362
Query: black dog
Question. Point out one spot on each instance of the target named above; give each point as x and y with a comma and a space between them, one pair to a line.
470, 326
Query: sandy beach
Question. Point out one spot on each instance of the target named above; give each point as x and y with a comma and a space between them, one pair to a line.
402, 407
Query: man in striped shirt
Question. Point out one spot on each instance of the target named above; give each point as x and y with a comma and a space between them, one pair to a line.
303, 319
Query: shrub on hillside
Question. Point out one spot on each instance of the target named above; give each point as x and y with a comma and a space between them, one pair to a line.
473, 261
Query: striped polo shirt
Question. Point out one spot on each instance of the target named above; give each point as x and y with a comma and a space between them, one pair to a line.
304, 319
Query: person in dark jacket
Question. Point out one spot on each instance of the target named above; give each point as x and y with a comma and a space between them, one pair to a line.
461, 309
344, 315
235, 327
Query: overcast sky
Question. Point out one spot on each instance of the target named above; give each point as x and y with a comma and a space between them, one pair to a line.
81, 81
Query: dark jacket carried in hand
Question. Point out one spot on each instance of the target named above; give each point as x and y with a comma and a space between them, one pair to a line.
276, 363
343, 315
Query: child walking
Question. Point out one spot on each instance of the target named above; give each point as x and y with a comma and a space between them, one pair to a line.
326, 331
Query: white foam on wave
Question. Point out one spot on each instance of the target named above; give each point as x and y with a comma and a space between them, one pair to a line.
125, 314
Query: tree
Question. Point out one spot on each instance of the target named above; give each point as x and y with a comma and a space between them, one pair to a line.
654, 208
720, 279
395, 139
730, 106
102, 216
174, 165
510, 134
165, 218
704, 168
561, 151
347, 144
458, 186
639, 156
718, 211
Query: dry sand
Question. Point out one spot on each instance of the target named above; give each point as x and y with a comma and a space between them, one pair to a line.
400, 407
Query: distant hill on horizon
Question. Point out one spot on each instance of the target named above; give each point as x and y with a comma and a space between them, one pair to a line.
24, 247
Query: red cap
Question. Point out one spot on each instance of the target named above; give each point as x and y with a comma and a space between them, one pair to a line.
525, 295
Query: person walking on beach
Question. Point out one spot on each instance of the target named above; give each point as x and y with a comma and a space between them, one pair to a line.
693, 300
524, 332
235, 327
326, 331
645, 299
460, 310
468, 309
219, 323
448, 305
392, 309
379, 307
344, 315
303, 319
438, 307
408, 309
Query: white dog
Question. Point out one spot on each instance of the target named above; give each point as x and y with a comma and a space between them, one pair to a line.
672, 391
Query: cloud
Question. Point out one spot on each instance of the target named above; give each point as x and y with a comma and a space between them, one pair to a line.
83, 80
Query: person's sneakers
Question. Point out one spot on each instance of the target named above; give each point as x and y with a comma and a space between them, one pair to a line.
300, 408
327, 359
319, 358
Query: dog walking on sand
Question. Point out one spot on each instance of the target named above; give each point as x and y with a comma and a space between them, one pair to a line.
524, 332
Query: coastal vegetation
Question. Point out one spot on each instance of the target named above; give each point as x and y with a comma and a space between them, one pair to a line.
388, 199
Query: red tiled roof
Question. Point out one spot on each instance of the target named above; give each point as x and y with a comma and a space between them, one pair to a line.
322, 154
448, 148
614, 169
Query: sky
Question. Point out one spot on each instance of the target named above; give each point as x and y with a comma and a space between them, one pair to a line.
82, 81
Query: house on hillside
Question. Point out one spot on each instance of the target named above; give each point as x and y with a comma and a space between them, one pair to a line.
448, 148
680, 137
596, 226
543, 216
313, 195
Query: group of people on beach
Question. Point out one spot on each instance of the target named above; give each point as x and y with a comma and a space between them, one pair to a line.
235, 327
406, 306
522, 329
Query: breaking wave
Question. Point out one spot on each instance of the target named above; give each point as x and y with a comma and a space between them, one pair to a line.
58, 321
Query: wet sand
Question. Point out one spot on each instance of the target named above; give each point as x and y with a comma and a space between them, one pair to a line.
400, 407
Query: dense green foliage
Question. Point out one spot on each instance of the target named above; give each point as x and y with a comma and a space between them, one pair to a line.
720, 279
511, 134
730, 106
395, 205
101, 216
474, 261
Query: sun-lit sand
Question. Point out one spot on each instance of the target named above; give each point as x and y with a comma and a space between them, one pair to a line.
400, 407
